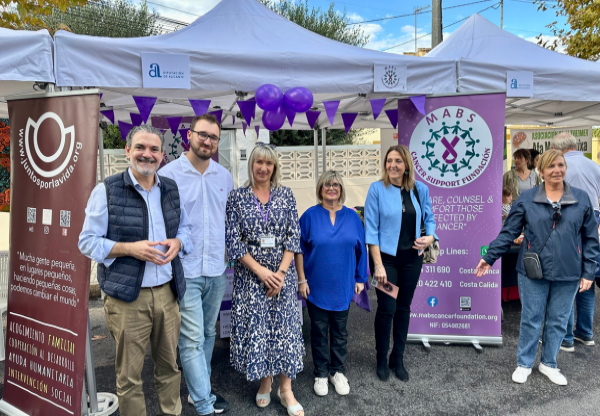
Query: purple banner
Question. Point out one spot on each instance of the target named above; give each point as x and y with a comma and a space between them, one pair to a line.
457, 149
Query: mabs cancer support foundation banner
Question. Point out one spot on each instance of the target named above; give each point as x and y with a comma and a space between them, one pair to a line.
457, 150
54, 143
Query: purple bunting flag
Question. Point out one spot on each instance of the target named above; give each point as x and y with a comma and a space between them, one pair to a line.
145, 105
124, 128
291, 114
218, 114
393, 116
200, 106
348, 119
233, 120
312, 116
257, 129
419, 102
244, 126
248, 109
101, 96
331, 108
174, 123
377, 105
136, 119
109, 114
184, 134
160, 122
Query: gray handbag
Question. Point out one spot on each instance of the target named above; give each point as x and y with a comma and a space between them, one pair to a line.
431, 253
532, 264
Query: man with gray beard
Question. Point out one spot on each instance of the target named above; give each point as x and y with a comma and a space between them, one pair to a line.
136, 230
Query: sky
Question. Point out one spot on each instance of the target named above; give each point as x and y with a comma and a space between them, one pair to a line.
397, 35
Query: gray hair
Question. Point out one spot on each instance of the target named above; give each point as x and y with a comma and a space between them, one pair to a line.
269, 154
564, 142
148, 129
327, 177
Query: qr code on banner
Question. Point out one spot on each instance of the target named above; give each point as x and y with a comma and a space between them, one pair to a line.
465, 303
65, 218
31, 215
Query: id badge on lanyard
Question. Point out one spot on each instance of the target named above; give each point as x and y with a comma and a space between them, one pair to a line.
266, 240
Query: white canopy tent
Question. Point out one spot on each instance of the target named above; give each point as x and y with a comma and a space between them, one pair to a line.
236, 47
566, 90
26, 57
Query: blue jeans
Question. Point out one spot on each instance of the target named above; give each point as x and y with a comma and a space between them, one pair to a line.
539, 298
199, 311
585, 302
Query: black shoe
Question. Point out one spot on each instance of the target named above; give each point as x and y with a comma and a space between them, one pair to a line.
383, 371
400, 371
393, 361
221, 405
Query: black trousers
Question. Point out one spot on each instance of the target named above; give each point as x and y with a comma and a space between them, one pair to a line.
403, 270
329, 356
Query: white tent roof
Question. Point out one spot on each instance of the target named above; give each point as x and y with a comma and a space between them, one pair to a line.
238, 46
25, 57
566, 90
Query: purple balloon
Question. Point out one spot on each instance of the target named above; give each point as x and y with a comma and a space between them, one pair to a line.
269, 97
273, 120
299, 99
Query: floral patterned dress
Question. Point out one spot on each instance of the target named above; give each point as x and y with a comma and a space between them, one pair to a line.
266, 335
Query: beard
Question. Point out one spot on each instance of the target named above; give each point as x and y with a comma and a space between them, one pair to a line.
202, 155
144, 171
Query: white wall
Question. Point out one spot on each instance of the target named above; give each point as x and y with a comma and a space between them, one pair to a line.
246, 142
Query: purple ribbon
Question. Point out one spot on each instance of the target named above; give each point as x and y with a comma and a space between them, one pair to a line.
450, 150
266, 218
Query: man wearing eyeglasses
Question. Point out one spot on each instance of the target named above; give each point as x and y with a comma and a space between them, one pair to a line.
583, 173
203, 186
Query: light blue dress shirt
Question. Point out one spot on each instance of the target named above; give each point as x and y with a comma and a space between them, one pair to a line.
94, 244
583, 173
205, 199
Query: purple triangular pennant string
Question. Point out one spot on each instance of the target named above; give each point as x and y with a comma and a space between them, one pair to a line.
312, 116
377, 105
109, 114
419, 102
174, 123
184, 134
218, 114
291, 114
244, 126
233, 120
160, 122
393, 116
348, 119
101, 95
331, 108
200, 106
257, 129
136, 119
248, 109
145, 105
124, 129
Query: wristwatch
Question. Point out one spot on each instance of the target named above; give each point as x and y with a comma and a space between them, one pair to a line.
282, 271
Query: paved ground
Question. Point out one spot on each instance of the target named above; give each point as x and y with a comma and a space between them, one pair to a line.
448, 380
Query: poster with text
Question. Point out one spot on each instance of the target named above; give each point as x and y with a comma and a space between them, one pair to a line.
54, 143
540, 139
457, 151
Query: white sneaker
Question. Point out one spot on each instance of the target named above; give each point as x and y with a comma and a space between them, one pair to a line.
341, 383
520, 375
321, 386
190, 400
553, 374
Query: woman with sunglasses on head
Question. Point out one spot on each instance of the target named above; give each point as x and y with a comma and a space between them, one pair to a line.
262, 236
393, 212
561, 237
331, 269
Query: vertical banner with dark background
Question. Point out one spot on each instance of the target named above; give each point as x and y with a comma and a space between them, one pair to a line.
457, 149
54, 143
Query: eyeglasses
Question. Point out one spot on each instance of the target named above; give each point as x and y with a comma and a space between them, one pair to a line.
335, 186
269, 145
204, 135
557, 215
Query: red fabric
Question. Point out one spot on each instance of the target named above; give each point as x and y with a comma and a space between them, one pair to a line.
510, 293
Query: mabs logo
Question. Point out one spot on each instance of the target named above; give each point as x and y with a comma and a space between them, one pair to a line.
513, 84
154, 71
432, 301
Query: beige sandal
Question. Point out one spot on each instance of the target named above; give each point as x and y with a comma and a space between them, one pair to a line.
291, 410
264, 396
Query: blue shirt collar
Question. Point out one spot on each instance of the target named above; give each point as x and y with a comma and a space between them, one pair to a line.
137, 185
573, 153
186, 165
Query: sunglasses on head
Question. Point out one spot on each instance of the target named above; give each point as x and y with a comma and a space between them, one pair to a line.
269, 145
557, 215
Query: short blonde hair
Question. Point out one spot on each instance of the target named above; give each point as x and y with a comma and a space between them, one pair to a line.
548, 157
408, 181
327, 177
270, 154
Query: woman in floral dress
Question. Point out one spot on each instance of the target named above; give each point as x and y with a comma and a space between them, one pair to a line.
262, 236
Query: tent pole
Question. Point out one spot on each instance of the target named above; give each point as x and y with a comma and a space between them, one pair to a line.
101, 153
316, 136
324, 145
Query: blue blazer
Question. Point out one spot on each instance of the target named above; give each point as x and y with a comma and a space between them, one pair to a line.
383, 215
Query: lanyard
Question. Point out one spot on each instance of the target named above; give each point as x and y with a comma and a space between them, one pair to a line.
264, 217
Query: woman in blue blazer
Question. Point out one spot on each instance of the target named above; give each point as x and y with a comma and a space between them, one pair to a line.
393, 234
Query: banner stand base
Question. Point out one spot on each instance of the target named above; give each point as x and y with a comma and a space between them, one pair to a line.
107, 404
474, 340
10, 410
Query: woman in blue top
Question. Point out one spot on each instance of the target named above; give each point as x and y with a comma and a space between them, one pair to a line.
393, 233
332, 268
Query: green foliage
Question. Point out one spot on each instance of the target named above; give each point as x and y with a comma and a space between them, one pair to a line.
15, 14
108, 18
331, 23
306, 137
112, 137
582, 38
